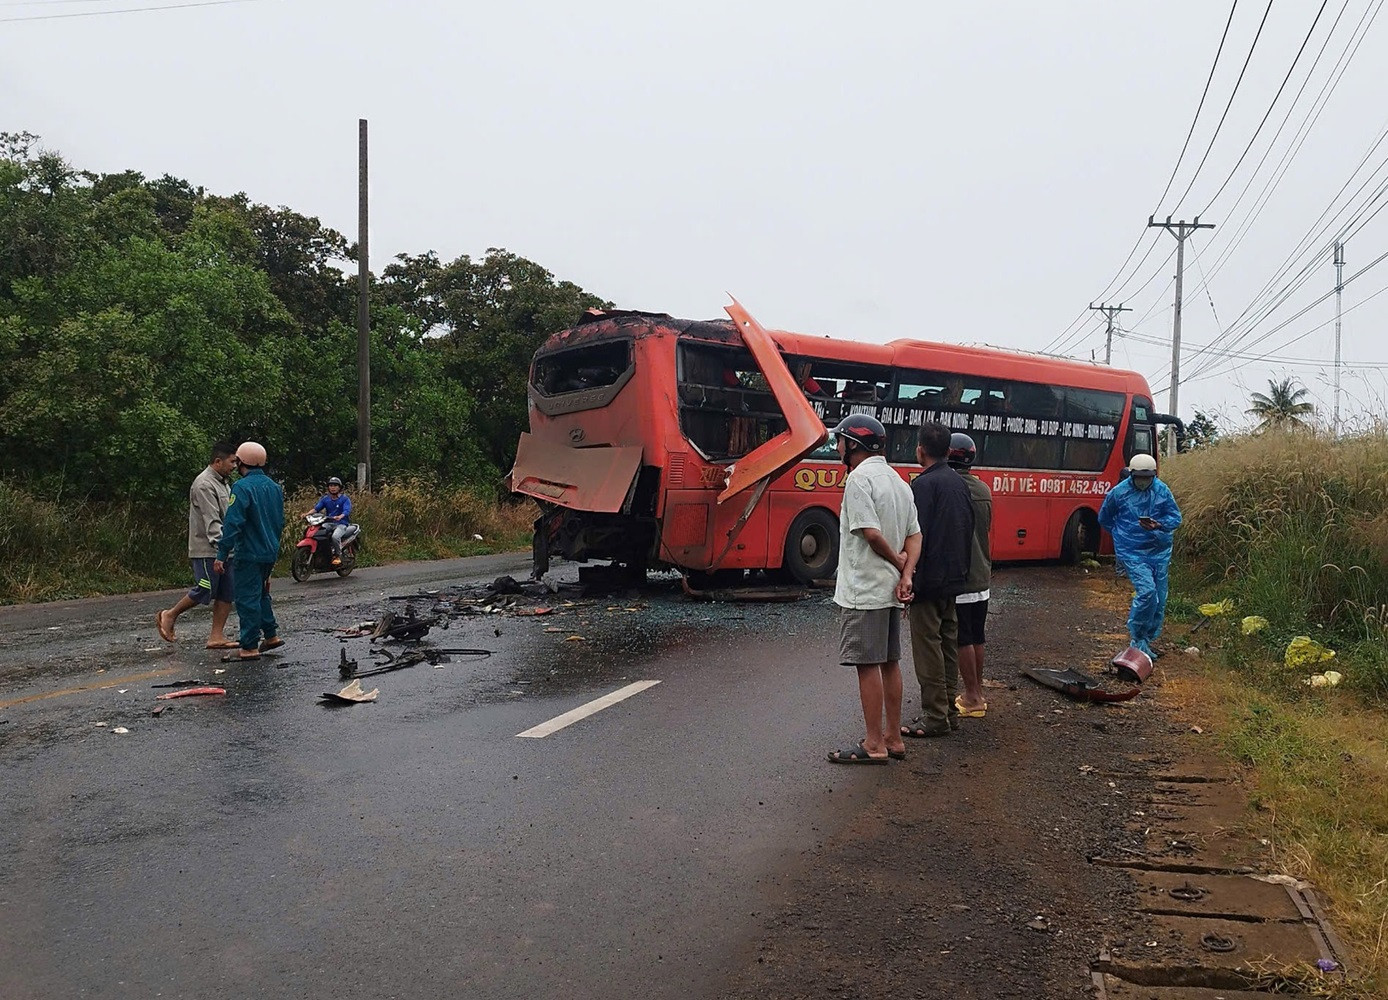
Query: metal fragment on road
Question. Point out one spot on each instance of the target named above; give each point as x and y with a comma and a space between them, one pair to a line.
195, 692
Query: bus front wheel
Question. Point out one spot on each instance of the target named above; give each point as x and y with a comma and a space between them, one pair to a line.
1081, 536
812, 546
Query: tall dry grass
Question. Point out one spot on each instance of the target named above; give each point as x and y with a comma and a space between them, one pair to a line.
1294, 527
52, 550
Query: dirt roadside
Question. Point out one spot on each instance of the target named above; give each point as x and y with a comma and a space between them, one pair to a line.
996, 863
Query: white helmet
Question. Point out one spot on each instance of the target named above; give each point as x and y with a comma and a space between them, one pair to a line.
1142, 464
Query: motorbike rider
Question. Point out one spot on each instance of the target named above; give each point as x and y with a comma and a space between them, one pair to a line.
337, 506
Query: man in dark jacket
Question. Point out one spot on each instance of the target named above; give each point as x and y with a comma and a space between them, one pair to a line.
251, 532
946, 514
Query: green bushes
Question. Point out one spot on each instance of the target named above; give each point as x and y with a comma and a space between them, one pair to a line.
1292, 526
51, 550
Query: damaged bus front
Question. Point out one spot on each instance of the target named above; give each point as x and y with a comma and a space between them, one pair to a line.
652, 441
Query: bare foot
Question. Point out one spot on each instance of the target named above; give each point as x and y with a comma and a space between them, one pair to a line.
166, 632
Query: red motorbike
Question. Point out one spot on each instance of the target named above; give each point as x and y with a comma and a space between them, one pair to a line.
314, 552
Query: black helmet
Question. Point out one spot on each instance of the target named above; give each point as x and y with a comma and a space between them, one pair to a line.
334, 481
962, 451
864, 431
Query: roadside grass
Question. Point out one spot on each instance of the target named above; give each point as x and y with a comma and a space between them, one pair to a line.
1315, 771
1292, 527
55, 550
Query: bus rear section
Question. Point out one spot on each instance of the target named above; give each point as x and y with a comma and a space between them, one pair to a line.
652, 441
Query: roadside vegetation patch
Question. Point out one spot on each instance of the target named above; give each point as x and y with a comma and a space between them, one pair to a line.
1286, 535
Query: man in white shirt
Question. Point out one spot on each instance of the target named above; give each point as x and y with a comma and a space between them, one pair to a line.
878, 534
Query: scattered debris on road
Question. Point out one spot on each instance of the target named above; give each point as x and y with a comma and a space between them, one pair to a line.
352, 694
1079, 686
192, 692
190, 682
121, 730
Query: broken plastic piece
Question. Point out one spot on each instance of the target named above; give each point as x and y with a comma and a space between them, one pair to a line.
352, 694
1132, 665
120, 729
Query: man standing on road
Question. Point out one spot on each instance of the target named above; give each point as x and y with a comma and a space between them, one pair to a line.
251, 533
1141, 515
878, 540
945, 511
207, 507
971, 607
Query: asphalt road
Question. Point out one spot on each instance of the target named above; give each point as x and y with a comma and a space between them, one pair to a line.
262, 844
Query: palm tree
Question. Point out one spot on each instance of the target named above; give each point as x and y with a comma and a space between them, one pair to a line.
1282, 406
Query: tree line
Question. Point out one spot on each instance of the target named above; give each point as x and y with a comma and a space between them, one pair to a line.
141, 320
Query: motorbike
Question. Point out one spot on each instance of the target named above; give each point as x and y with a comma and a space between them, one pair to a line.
314, 552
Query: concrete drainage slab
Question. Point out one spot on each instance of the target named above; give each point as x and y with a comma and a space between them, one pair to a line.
1113, 988
1230, 897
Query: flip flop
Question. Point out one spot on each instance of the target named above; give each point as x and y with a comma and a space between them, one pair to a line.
270, 644
238, 658
226, 644
166, 634
855, 755
970, 713
893, 754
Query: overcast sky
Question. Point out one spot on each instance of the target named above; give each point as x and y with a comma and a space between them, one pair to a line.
966, 172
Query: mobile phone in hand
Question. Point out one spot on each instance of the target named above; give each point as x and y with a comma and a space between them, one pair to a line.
1147, 522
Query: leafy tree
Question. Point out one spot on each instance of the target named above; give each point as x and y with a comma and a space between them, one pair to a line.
1282, 407
1202, 431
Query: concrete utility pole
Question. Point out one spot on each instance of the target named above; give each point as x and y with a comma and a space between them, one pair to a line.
1110, 312
1180, 230
1339, 291
363, 323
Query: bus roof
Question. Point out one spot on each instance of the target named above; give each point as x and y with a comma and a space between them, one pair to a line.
919, 354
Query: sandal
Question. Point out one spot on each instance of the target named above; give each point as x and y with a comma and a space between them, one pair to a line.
223, 644
270, 644
239, 658
855, 755
918, 729
970, 713
893, 754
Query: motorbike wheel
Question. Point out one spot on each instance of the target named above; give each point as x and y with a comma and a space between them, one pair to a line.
349, 562
302, 565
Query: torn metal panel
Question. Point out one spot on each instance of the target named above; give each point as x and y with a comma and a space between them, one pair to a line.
591, 479
805, 430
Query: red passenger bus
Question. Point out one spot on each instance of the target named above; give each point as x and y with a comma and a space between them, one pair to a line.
702, 446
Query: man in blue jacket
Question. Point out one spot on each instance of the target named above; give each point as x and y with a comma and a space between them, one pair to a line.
251, 533
1141, 514
338, 508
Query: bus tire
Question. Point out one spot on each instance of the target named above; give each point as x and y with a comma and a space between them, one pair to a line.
1081, 536
812, 546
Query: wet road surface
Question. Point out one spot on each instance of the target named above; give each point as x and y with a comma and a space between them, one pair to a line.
262, 844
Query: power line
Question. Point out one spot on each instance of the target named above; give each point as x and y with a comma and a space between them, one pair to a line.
123, 10
1205, 93
1275, 98
1232, 95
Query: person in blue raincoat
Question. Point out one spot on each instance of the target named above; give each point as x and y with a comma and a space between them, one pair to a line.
251, 536
1141, 515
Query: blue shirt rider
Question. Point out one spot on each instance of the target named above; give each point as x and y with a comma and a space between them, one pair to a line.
1141, 515
338, 508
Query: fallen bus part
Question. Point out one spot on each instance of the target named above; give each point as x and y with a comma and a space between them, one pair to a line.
1078, 685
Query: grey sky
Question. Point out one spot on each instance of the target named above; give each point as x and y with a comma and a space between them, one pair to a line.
969, 172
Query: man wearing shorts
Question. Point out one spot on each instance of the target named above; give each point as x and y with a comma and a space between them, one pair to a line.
878, 540
946, 516
207, 507
972, 607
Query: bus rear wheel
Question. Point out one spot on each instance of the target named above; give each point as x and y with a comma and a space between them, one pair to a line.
812, 546
1080, 538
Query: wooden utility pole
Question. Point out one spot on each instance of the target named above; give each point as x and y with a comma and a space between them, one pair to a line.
1110, 312
363, 322
1180, 230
